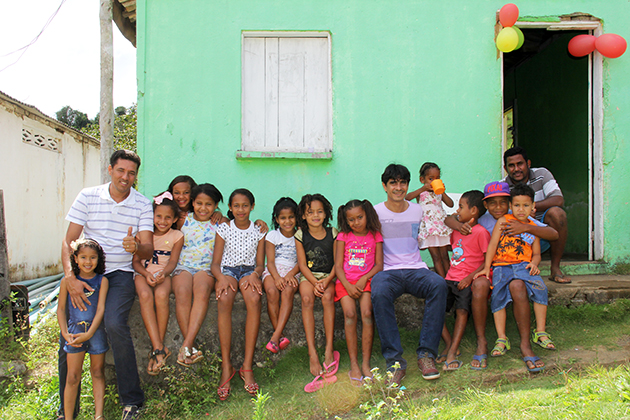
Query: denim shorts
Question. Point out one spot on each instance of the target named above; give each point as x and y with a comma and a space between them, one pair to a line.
95, 345
238, 272
190, 270
544, 245
502, 276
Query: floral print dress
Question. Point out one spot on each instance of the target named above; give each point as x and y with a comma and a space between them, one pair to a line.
433, 232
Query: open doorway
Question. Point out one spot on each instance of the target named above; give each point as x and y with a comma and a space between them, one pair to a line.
548, 110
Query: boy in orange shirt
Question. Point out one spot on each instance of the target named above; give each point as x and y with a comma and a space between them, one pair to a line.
514, 260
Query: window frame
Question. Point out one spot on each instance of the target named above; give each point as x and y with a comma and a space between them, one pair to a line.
297, 153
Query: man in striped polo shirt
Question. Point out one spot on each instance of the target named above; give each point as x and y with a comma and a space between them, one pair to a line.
548, 201
120, 219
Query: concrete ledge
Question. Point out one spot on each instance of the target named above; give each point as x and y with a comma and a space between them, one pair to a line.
409, 312
577, 268
596, 289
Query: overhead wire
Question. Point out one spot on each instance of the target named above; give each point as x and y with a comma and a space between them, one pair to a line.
26, 47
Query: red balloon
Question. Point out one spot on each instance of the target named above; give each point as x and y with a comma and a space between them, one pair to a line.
611, 45
582, 45
508, 15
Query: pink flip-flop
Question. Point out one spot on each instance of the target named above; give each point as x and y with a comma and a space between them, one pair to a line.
272, 347
284, 343
319, 382
332, 368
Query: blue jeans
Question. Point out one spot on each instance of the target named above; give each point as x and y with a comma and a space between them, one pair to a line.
120, 298
387, 286
544, 244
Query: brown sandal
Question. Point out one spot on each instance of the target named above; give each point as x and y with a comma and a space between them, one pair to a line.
182, 356
159, 365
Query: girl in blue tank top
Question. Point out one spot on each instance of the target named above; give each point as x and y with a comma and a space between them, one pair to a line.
83, 330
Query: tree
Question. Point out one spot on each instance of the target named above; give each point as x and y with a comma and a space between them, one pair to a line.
124, 128
72, 117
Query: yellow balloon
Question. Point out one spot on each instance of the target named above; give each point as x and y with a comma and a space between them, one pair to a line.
507, 40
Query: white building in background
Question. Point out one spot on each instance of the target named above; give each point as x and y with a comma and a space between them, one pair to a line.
43, 166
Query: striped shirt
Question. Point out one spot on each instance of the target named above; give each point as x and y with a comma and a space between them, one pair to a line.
542, 182
108, 222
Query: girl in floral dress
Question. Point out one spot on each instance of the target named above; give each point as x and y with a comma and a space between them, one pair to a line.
433, 233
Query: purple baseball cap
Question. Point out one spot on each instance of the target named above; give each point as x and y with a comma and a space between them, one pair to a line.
496, 189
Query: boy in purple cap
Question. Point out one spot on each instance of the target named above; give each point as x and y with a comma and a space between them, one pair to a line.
515, 260
497, 202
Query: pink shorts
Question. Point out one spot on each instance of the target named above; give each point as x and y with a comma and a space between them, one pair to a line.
341, 291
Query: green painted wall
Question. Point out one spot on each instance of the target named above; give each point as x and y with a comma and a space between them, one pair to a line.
412, 81
552, 115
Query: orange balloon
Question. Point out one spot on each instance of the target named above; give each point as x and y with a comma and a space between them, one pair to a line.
611, 45
582, 45
508, 15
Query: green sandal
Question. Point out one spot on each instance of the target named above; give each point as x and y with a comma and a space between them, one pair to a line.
500, 351
543, 342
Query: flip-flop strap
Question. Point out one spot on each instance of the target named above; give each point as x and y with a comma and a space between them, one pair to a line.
317, 383
482, 359
156, 353
226, 382
447, 364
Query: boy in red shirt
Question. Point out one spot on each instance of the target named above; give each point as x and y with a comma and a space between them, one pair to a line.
468, 259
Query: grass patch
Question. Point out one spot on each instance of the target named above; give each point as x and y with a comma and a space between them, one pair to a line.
597, 393
185, 393
504, 390
621, 268
12, 348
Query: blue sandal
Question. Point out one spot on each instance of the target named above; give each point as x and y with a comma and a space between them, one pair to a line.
533, 359
483, 362
447, 368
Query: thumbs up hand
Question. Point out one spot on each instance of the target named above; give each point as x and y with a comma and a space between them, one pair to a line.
466, 228
129, 242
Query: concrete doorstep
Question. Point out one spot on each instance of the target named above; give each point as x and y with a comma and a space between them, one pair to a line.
597, 289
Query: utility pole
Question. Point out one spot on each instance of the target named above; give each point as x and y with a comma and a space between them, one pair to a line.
106, 116
5, 283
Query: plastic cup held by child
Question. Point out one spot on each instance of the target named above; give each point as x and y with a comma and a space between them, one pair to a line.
438, 186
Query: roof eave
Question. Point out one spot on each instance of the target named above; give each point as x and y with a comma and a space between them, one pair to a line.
124, 14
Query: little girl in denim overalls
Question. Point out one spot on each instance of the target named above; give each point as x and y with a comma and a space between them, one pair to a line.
83, 330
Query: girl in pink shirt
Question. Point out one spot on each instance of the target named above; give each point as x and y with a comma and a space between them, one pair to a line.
358, 257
